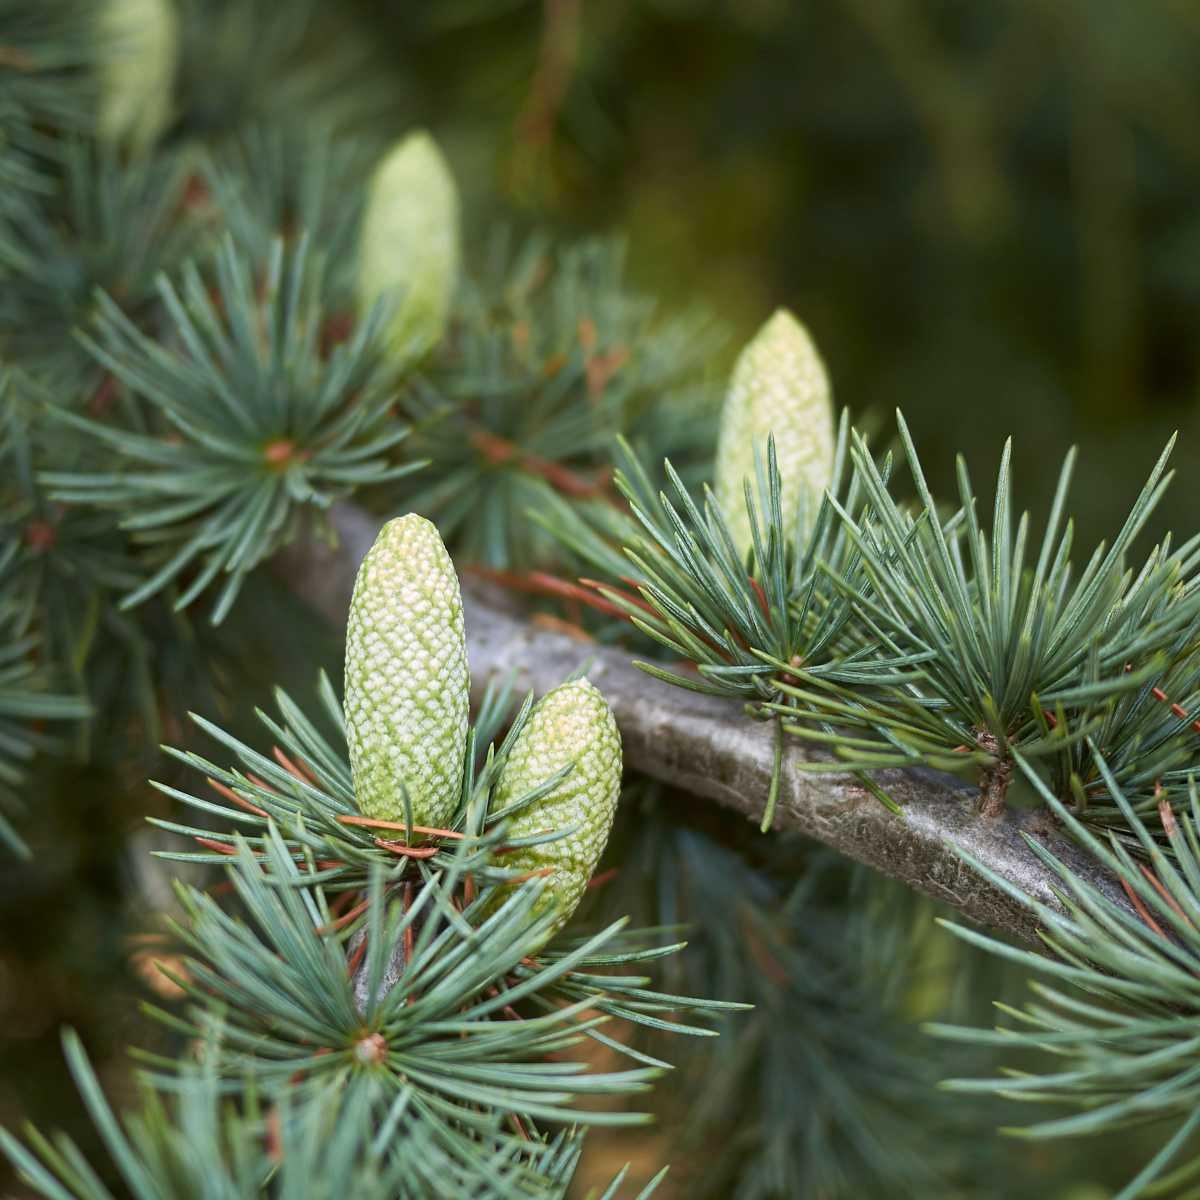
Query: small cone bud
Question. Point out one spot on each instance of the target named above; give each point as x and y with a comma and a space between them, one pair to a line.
406, 677
409, 246
779, 387
140, 43
571, 724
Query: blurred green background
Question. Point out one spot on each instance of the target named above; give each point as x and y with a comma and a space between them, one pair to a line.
985, 210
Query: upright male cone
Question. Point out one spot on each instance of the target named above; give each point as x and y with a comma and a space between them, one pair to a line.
139, 41
406, 677
409, 247
571, 724
779, 388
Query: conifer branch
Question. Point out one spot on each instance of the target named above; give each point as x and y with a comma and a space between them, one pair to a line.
705, 746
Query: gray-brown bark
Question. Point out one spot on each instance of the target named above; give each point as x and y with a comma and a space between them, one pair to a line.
706, 746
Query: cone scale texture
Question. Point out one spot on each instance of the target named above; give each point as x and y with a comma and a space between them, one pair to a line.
571, 724
406, 679
779, 387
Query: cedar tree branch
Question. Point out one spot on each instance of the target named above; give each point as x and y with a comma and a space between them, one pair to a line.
706, 746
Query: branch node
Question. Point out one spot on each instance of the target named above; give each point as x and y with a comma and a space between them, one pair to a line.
994, 781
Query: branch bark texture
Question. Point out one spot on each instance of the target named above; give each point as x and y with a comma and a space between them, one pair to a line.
708, 747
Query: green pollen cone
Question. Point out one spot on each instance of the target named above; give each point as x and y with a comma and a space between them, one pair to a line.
409, 247
406, 677
779, 387
571, 724
140, 40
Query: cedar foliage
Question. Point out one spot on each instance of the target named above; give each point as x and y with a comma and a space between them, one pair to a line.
188, 383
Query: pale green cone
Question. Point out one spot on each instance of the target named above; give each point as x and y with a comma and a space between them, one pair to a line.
779, 387
571, 724
140, 42
406, 677
409, 247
